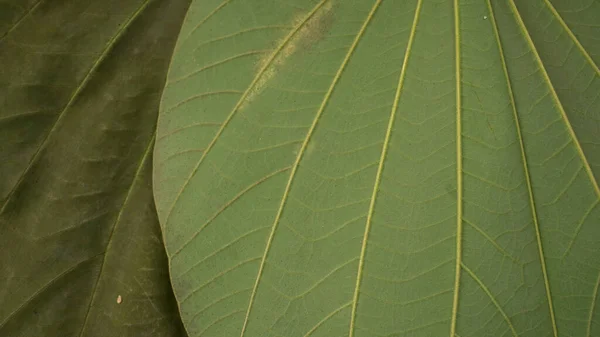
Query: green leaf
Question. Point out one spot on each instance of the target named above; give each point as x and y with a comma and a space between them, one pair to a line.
383, 168
80, 85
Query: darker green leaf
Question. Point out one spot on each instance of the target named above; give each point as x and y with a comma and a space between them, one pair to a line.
80, 84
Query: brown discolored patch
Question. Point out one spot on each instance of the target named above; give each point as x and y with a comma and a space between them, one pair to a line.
316, 28
311, 32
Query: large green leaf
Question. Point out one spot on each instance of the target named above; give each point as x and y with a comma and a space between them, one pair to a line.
383, 168
80, 85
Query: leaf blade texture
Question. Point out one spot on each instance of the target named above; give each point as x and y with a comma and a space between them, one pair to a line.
380, 168
82, 249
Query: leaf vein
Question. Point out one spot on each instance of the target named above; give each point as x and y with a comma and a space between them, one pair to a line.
459, 173
586, 55
301, 152
137, 174
492, 298
384, 151
245, 95
593, 306
525, 166
18, 22
82, 85
326, 318
227, 205
555, 98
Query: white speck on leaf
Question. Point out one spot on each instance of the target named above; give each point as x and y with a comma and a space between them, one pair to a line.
119, 299
485, 17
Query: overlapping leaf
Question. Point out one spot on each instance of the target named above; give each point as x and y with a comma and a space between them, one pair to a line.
80, 83
383, 168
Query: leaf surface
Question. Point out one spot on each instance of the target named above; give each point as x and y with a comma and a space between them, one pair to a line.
80, 83
383, 168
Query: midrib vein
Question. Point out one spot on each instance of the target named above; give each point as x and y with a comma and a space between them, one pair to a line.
71, 100
384, 151
586, 55
299, 158
554, 95
138, 171
525, 169
459, 187
239, 103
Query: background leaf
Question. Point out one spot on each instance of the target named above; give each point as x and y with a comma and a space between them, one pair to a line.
80, 84
383, 168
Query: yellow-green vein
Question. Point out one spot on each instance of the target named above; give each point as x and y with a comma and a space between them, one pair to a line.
459, 187
492, 241
326, 318
299, 158
572, 36
554, 95
75, 94
593, 307
525, 169
224, 207
384, 151
208, 16
489, 293
172, 81
156, 154
579, 226
239, 103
